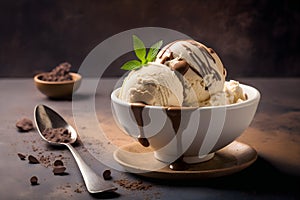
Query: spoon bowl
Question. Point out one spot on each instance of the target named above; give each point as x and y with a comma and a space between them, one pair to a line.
46, 117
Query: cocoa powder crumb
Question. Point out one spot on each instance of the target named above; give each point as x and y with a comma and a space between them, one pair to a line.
57, 135
78, 190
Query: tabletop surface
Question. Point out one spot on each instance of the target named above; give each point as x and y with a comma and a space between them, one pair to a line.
273, 133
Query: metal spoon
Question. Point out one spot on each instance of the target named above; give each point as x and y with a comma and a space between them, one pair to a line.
45, 117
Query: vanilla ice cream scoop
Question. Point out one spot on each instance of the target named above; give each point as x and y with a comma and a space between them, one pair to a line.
152, 84
202, 70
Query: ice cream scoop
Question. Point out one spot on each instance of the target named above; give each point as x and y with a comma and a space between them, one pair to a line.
203, 72
152, 84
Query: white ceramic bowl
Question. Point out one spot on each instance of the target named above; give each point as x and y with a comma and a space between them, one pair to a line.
188, 132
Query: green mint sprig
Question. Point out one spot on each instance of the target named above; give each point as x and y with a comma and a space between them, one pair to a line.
141, 54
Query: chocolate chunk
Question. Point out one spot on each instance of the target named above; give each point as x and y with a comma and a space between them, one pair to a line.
58, 170
21, 156
34, 180
24, 125
107, 174
58, 163
33, 160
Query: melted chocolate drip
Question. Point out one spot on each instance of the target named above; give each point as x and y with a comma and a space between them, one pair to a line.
174, 114
144, 141
137, 109
179, 165
182, 66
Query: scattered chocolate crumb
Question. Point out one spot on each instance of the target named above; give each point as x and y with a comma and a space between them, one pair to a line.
59, 170
58, 163
132, 185
107, 174
21, 156
34, 148
34, 180
78, 190
24, 125
59, 73
57, 135
46, 160
33, 160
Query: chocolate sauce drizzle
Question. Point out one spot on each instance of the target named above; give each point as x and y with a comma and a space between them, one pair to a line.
204, 67
182, 66
137, 110
175, 116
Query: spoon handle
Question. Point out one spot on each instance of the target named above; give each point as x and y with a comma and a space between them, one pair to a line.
93, 182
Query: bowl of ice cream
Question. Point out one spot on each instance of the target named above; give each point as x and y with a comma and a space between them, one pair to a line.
60, 83
180, 105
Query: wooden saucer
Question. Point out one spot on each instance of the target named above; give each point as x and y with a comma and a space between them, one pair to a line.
140, 160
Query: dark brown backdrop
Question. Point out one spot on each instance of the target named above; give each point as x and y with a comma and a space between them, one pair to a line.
252, 37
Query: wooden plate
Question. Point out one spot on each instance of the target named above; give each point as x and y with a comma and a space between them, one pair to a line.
140, 160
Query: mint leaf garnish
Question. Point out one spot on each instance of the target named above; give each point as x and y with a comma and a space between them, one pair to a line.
153, 51
139, 48
140, 52
132, 64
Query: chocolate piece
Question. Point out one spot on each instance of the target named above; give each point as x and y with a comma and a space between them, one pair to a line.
33, 160
21, 156
107, 174
58, 163
58, 167
59, 170
34, 180
24, 125
59, 73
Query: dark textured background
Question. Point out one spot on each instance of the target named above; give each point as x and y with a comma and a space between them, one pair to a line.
253, 38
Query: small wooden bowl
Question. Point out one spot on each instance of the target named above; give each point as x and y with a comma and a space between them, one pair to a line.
58, 89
